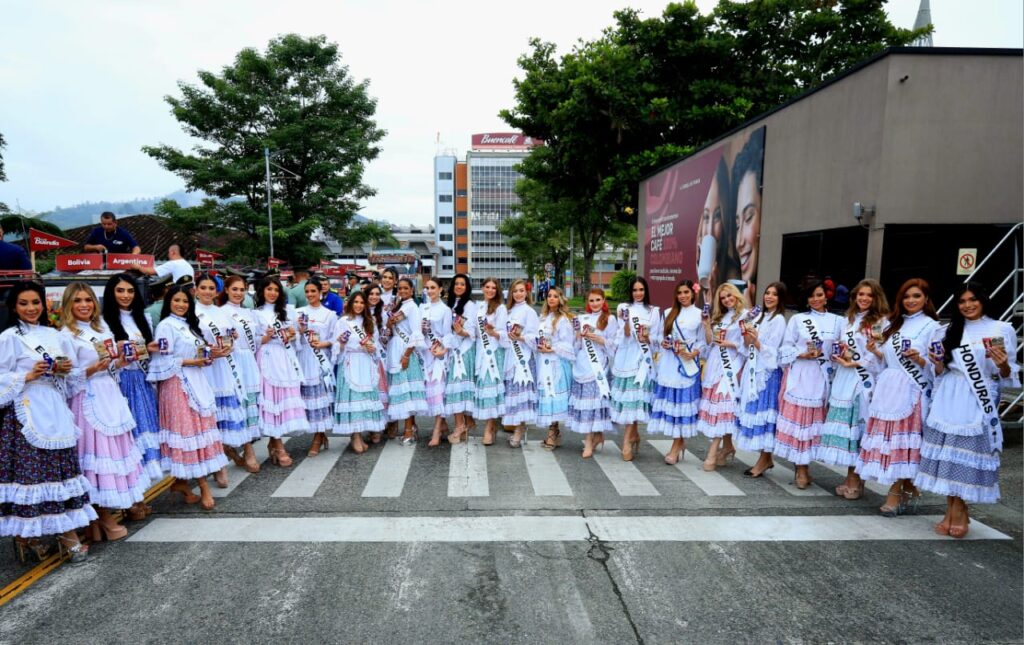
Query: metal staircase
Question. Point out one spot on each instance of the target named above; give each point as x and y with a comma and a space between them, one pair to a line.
1012, 398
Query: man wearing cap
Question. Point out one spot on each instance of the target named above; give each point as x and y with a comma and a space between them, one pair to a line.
12, 256
108, 237
176, 266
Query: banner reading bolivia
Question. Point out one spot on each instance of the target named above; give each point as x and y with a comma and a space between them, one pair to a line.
40, 241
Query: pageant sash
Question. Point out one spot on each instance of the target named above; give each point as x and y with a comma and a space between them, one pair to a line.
823, 361
645, 349
594, 359
437, 365
867, 383
732, 389
523, 375
47, 353
971, 362
236, 374
289, 349
687, 366
909, 366
489, 365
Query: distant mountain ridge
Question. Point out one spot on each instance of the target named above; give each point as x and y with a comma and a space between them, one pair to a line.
89, 212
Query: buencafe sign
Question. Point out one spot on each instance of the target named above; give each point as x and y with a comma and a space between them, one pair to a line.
80, 262
504, 141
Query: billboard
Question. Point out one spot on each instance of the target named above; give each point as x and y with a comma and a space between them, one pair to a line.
701, 219
504, 141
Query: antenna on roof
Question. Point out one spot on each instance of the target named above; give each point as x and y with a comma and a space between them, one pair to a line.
924, 19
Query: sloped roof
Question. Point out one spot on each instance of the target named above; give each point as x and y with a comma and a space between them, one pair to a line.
151, 232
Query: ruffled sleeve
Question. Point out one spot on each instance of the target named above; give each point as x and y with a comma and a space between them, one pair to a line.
771, 337
12, 382
656, 330
164, 366
936, 332
76, 380
531, 327
415, 320
1010, 342
562, 343
792, 343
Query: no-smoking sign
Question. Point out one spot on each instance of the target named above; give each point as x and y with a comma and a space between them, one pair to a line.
965, 261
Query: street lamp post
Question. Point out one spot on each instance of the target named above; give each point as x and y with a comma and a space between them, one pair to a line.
270, 214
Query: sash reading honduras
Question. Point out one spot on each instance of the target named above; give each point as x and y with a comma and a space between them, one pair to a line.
970, 361
638, 316
523, 374
489, 365
592, 356
236, 376
867, 383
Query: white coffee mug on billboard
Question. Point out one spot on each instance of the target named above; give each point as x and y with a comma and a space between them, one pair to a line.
708, 248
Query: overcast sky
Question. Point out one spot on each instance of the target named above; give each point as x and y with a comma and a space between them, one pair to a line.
82, 83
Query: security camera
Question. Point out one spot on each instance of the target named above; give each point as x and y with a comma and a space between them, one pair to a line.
858, 211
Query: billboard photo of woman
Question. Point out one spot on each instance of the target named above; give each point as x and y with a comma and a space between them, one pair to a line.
747, 179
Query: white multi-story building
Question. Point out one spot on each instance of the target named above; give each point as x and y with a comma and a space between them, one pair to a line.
444, 211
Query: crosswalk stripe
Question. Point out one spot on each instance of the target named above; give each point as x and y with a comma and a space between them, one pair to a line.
238, 475
545, 475
783, 476
467, 470
712, 483
391, 470
624, 475
872, 486
559, 528
305, 479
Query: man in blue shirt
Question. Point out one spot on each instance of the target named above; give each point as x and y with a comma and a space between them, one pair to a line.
329, 299
108, 238
12, 256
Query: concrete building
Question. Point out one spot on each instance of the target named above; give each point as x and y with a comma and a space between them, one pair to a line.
891, 171
444, 211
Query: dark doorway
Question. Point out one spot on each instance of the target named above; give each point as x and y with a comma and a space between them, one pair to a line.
839, 253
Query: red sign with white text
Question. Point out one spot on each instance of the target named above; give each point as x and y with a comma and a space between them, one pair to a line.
206, 257
331, 270
128, 261
273, 263
39, 241
504, 141
80, 262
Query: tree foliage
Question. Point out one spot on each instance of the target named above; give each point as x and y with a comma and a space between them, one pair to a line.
650, 90
299, 101
539, 233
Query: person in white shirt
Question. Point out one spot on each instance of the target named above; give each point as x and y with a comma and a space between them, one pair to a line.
175, 266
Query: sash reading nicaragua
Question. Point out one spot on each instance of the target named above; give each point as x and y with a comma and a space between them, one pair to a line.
909, 366
279, 332
361, 335
867, 383
970, 362
687, 366
31, 343
645, 348
324, 363
522, 375
236, 377
489, 364
592, 357
436, 364
814, 334
728, 369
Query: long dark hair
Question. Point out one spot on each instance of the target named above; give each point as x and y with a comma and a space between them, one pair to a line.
12, 300
896, 316
808, 289
190, 315
376, 312
112, 310
673, 313
955, 331
281, 304
394, 272
412, 287
458, 303
780, 291
647, 291
367, 317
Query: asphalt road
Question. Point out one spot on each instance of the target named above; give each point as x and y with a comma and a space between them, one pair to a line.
468, 544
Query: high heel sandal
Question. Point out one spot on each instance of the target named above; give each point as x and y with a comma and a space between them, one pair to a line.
35, 546
99, 531
410, 440
185, 489
749, 472
361, 447
206, 501
892, 510
673, 458
138, 512
75, 551
803, 482
250, 463
435, 437
221, 478
233, 455
461, 434
280, 457
724, 456
489, 435
517, 440
911, 500
314, 448
711, 459
553, 440
854, 493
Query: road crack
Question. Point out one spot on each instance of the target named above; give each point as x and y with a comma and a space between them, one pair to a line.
600, 552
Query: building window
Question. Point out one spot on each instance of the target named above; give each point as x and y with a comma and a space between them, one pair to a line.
461, 231
445, 237
460, 213
444, 176
462, 246
445, 219
448, 267
444, 199
461, 192
446, 253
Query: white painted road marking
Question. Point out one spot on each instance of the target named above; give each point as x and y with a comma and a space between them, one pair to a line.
238, 475
467, 469
390, 471
545, 475
783, 476
624, 475
558, 528
306, 478
712, 483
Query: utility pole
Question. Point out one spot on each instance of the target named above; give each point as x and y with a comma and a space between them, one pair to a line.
270, 214
572, 269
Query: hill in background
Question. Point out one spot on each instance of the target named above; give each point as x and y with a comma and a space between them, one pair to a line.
89, 212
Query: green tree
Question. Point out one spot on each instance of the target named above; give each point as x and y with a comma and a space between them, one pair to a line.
539, 232
3, 175
649, 91
298, 100
375, 233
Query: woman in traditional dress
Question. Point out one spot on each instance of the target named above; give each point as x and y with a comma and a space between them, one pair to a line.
762, 378
520, 341
633, 366
42, 489
590, 397
491, 318
124, 313
806, 355
358, 407
376, 309
460, 341
890, 449
315, 349
718, 412
246, 340
677, 381
189, 439
963, 435
282, 410
853, 384
106, 448
436, 323
407, 394
555, 356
